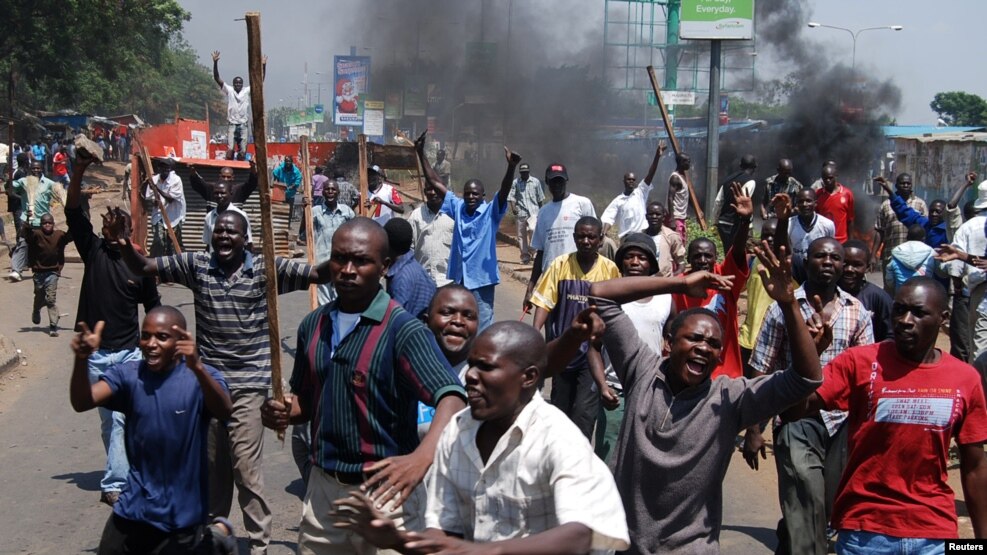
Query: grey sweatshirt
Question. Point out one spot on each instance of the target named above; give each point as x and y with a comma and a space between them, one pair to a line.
673, 450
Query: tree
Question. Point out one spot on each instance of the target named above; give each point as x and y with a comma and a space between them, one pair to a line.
107, 57
960, 108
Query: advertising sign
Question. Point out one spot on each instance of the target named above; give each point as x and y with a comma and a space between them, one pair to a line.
672, 98
717, 19
373, 118
351, 78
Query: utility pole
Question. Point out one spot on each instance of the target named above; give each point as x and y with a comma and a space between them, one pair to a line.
713, 128
672, 50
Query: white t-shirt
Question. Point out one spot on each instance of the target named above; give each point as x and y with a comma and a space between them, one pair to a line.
238, 104
556, 224
649, 319
800, 238
627, 212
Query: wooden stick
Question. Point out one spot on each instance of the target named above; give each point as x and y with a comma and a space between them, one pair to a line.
313, 296
675, 146
256, 72
364, 181
145, 159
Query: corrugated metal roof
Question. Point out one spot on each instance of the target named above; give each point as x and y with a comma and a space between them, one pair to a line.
947, 137
894, 131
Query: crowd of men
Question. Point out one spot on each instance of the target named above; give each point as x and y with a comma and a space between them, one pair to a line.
419, 420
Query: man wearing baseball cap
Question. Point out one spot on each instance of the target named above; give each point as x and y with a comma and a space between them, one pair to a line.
553, 236
525, 198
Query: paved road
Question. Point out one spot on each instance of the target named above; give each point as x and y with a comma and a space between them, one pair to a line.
52, 460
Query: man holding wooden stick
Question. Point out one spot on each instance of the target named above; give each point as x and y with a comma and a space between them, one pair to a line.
168, 186
229, 287
364, 346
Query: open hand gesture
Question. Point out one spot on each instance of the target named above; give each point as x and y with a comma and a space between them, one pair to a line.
358, 514
880, 180
115, 225
215, 56
662, 147
820, 326
513, 158
395, 478
948, 253
776, 273
742, 203
87, 342
697, 283
782, 204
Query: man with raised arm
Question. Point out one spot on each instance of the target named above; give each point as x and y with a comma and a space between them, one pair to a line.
230, 284
627, 210
473, 257
111, 293
681, 424
238, 104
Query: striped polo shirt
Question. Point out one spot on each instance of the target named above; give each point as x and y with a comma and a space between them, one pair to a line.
363, 398
231, 321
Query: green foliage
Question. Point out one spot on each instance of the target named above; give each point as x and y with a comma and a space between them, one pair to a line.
693, 232
960, 108
103, 57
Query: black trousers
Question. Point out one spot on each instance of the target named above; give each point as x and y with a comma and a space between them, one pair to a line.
129, 537
574, 392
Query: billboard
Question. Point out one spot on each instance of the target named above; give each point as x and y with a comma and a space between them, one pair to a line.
351, 78
373, 118
717, 19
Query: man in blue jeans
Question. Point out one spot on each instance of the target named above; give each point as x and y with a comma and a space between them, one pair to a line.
110, 293
473, 257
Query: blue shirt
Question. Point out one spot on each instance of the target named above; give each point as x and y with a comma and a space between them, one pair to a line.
473, 258
935, 235
409, 284
166, 431
325, 222
291, 178
38, 153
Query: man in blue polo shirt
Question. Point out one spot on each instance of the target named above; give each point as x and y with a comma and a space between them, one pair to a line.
168, 399
231, 328
473, 258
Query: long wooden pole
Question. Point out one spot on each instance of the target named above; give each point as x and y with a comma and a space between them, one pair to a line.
313, 296
256, 71
675, 146
145, 159
364, 182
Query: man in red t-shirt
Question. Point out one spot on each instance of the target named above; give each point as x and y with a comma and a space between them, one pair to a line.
702, 258
835, 202
60, 166
907, 400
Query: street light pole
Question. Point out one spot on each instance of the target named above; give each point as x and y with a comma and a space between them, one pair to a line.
854, 35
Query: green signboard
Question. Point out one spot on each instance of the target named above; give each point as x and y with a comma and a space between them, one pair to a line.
717, 19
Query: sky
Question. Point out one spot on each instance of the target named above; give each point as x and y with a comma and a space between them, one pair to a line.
936, 51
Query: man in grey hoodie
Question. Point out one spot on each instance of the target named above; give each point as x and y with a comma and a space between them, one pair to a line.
680, 426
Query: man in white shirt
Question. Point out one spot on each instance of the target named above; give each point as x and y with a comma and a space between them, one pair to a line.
168, 186
223, 199
556, 224
971, 237
384, 199
627, 209
806, 227
238, 105
432, 235
510, 472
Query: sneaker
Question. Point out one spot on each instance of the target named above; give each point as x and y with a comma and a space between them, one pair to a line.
109, 497
14, 276
53, 332
36, 317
